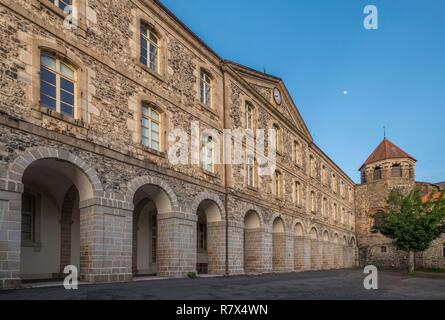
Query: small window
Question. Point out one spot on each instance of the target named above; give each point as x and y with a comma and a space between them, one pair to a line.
325, 207
62, 4
379, 219
202, 237
149, 48
206, 89
313, 169
377, 173
28, 217
364, 180
396, 171
249, 116
154, 237
298, 158
57, 84
151, 127
384, 249
334, 183
208, 154
411, 172
250, 170
278, 184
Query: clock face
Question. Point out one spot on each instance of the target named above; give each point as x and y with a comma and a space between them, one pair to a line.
277, 96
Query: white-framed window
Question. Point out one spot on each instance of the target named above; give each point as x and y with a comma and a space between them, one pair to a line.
208, 154
249, 116
297, 193
278, 184
62, 4
206, 89
149, 48
150, 127
57, 84
250, 171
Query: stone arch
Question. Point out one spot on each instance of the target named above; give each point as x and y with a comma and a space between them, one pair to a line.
87, 191
253, 209
274, 219
253, 242
353, 242
216, 211
278, 225
139, 182
252, 220
326, 237
298, 229
313, 233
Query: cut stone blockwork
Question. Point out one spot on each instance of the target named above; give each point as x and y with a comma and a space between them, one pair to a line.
135, 212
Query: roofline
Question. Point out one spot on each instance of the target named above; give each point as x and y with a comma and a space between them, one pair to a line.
259, 73
313, 144
186, 28
391, 158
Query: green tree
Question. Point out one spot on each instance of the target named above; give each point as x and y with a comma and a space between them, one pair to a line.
414, 222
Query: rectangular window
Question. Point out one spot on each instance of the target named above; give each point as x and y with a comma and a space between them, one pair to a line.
151, 127
149, 48
250, 170
28, 217
207, 155
313, 202
249, 117
297, 154
298, 193
57, 85
154, 237
202, 237
61, 3
277, 185
205, 90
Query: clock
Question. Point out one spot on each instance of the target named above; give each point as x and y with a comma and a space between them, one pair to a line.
277, 96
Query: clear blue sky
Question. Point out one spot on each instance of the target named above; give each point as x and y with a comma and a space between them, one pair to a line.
395, 76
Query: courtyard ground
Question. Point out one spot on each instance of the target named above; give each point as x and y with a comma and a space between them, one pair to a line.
322, 285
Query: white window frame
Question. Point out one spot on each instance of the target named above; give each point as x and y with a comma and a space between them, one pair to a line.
147, 37
151, 121
205, 86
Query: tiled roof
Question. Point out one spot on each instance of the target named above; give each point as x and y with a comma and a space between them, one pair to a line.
387, 150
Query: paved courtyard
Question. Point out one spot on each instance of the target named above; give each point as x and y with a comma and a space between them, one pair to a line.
331, 285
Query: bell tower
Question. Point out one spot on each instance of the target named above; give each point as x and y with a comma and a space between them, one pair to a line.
388, 168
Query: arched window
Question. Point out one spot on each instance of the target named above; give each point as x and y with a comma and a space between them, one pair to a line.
325, 207
312, 165
342, 189
205, 89
57, 84
249, 116
208, 154
313, 202
298, 193
278, 184
377, 173
396, 171
149, 48
324, 176
62, 3
151, 127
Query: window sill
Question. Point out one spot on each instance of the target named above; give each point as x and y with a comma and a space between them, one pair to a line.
60, 116
210, 174
153, 152
143, 67
255, 189
209, 109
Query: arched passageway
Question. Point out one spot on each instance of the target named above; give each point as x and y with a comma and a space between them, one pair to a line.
253, 238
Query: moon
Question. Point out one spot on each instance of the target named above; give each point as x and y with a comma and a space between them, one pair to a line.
345, 92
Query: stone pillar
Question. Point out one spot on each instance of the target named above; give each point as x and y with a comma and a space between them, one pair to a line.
235, 248
256, 251
10, 236
105, 243
325, 255
299, 254
216, 247
316, 255
282, 259
176, 244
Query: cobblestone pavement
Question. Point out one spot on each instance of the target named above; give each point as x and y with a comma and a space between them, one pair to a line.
331, 285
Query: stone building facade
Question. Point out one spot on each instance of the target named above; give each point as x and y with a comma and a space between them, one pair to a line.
85, 176
389, 168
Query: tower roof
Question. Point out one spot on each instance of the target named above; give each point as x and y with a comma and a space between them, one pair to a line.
387, 150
